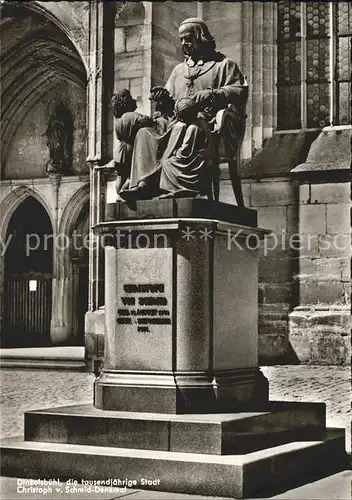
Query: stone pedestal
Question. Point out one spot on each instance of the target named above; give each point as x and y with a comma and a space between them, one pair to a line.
181, 309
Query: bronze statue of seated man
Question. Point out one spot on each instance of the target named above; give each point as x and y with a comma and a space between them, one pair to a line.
213, 81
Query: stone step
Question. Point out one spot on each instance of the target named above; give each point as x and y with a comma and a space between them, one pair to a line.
218, 434
45, 364
273, 469
55, 358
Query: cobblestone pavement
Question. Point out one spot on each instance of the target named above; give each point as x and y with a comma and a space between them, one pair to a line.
23, 390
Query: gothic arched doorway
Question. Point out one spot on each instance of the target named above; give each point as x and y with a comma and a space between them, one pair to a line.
28, 277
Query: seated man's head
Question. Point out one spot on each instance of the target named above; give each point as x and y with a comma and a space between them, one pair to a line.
195, 38
164, 103
186, 110
122, 102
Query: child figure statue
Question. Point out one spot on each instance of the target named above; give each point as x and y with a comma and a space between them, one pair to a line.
127, 123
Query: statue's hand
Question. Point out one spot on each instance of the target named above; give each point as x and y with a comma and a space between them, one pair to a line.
204, 97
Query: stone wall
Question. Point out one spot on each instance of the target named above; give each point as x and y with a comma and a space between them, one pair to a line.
305, 268
276, 201
130, 44
166, 53
320, 326
303, 293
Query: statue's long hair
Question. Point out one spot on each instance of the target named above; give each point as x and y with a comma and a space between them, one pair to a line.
203, 36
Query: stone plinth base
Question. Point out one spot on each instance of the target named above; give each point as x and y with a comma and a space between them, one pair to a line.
181, 365
181, 392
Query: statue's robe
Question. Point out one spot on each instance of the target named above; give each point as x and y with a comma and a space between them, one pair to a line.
126, 128
184, 162
186, 79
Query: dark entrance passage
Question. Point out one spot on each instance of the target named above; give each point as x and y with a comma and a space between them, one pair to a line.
28, 277
80, 272
82, 302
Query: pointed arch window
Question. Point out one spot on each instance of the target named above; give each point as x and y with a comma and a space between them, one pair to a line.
314, 64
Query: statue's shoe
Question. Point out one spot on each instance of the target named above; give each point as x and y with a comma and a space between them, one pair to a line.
129, 195
139, 192
185, 193
166, 196
181, 193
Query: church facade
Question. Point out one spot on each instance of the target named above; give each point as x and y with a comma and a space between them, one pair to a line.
61, 63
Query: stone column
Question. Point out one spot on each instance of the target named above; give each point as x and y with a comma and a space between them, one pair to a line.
95, 133
99, 90
59, 331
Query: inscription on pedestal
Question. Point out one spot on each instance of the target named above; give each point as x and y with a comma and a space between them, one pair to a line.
142, 309
143, 305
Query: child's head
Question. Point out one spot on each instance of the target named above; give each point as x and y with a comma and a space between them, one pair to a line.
122, 102
164, 103
186, 110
